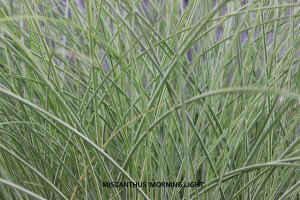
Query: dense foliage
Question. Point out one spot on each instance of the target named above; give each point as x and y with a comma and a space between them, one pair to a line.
143, 91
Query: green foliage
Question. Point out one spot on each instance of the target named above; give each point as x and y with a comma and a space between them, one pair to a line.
143, 91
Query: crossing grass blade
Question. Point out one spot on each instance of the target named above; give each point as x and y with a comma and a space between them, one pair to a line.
149, 91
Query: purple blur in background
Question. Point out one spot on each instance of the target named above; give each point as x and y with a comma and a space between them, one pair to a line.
218, 33
146, 3
190, 53
244, 36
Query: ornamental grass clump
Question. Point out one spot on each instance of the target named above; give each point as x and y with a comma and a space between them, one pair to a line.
143, 99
